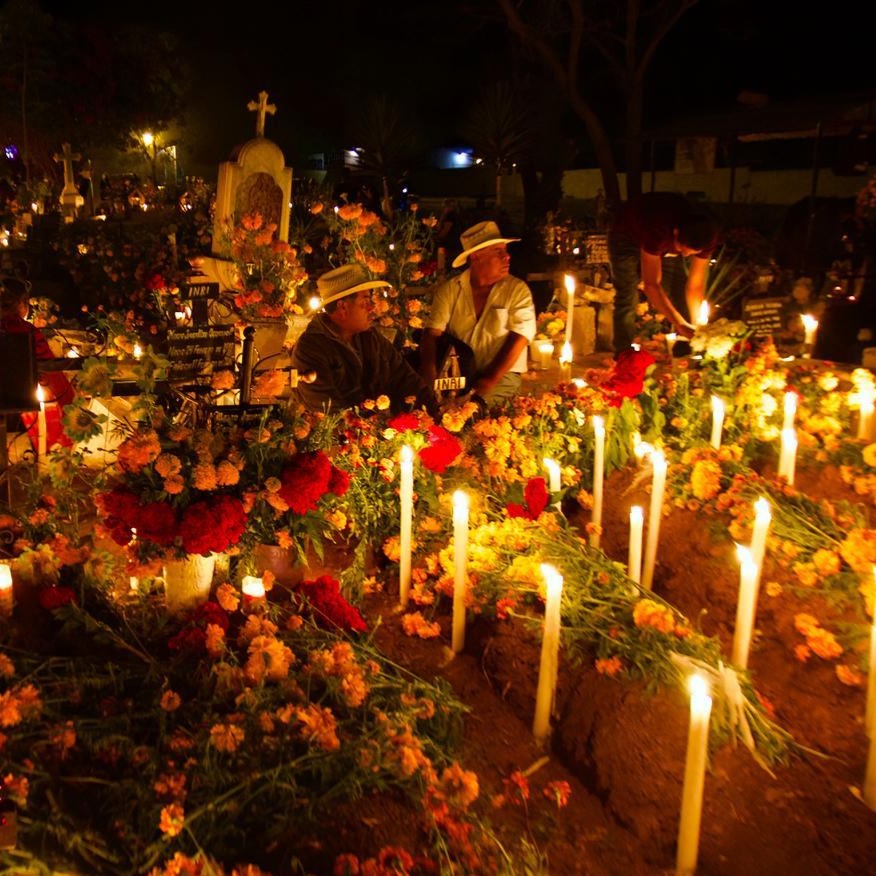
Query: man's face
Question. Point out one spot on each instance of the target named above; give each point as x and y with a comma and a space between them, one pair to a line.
490, 264
355, 312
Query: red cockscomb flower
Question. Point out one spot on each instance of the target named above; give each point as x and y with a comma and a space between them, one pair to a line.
54, 597
442, 450
305, 481
330, 608
627, 377
535, 498
212, 525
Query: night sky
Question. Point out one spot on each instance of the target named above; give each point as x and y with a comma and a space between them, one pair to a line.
318, 59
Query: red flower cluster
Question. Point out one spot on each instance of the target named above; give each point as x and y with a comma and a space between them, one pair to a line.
406, 422
193, 636
154, 521
329, 607
442, 450
627, 377
307, 478
54, 597
535, 498
212, 525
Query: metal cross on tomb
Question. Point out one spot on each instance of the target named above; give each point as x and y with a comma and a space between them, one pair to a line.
67, 157
261, 107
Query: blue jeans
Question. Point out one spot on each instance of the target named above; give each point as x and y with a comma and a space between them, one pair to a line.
626, 274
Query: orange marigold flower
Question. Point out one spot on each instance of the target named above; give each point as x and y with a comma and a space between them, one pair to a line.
459, 786
138, 450
850, 676
172, 819
7, 667
416, 625
319, 726
824, 644
805, 623
226, 737
802, 653
609, 666
517, 788
204, 476
170, 701
648, 613
346, 865
228, 597
559, 792
17, 787
227, 473
215, 642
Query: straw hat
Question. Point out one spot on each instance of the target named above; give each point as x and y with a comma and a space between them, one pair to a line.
477, 237
343, 281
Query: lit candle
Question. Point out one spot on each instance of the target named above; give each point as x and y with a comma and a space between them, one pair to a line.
717, 421
406, 496
6, 601
694, 777
545, 353
762, 519
671, 338
253, 590
655, 512
138, 351
634, 564
703, 314
745, 607
550, 647
569, 281
866, 397
42, 431
553, 470
598, 477
788, 456
134, 583
790, 410
810, 327
460, 549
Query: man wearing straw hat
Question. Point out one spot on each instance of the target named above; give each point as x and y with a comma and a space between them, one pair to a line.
489, 310
352, 360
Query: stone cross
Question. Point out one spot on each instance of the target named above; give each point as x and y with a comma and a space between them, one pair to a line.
67, 157
261, 107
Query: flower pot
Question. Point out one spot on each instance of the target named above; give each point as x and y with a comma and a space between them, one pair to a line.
187, 582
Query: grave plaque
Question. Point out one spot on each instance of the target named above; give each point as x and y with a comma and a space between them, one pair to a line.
195, 352
596, 249
764, 316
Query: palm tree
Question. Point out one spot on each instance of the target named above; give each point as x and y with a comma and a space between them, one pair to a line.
497, 124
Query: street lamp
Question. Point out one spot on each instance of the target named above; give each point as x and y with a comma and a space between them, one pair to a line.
151, 151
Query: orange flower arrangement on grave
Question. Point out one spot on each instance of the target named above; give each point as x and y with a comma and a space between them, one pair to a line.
269, 277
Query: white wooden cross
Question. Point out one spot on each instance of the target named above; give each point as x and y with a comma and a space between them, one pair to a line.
261, 107
67, 157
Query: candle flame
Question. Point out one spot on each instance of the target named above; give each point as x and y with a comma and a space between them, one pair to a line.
41, 396
717, 405
5, 576
460, 501
697, 686
637, 514
703, 313
762, 509
579, 382
407, 453
552, 578
566, 354
810, 323
598, 426
790, 403
138, 351
569, 282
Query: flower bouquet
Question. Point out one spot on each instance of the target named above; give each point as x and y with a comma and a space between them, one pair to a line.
173, 496
269, 283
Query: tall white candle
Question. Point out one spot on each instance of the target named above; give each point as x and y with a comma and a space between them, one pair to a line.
694, 777
598, 477
406, 499
634, 562
569, 282
6, 599
745, 607
655, 512
553, 470
762, 519
460, 549
550, 647
790, 410
717, 421
870, 722
788, 456
42, 432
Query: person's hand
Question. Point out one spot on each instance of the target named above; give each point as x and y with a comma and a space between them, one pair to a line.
685, 329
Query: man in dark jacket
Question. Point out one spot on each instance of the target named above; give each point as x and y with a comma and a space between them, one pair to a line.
352, 360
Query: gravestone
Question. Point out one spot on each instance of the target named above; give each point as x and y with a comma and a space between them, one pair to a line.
764, 316
70, 198
256, 180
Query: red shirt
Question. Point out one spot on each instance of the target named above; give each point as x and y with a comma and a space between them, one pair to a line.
650, 221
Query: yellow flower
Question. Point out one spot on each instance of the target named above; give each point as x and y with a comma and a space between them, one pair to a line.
706, 479
382, 402
869, 454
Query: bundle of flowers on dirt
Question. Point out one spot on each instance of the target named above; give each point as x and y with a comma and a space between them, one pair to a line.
151, 743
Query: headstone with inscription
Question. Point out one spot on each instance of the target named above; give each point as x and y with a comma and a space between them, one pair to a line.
764, 316
194, 353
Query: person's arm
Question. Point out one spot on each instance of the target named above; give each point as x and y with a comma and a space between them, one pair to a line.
428, 351
695, 290
652, 280
511, 348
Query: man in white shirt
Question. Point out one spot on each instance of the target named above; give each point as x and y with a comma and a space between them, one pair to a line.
487, 309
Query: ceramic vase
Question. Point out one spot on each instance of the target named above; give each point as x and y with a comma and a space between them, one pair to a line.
187, 582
